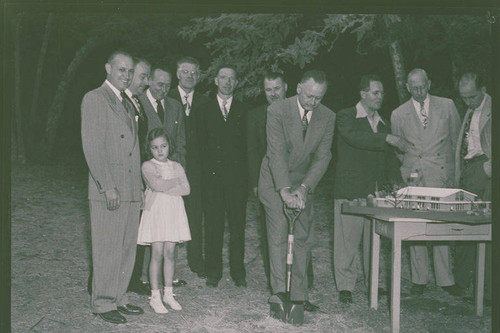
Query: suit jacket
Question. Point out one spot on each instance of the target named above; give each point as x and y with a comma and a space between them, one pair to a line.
290, 159
434, 154
257, 142
485, 137
355, 177
193, 153
173, 124
110, 145
224, 144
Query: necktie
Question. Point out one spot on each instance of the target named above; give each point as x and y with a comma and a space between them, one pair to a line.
187, 106
128, 107
159, 110
140, 110
464, 149
305, 123
423, 113
225, 113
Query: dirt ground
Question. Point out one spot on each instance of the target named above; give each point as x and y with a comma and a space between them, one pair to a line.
50, 265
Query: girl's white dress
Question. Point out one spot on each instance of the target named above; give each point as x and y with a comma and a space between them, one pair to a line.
164, 217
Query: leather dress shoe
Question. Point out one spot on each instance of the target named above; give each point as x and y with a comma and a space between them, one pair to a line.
240, 282
113, 317
212, 283
454, 290
178, 283
345, 297
130, 309
139, 288
309, 307
417, 289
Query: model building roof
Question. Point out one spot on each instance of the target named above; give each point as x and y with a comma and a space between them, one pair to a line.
430, 191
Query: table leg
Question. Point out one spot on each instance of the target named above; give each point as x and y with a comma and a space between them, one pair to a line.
396, 280
480, 278
374, 267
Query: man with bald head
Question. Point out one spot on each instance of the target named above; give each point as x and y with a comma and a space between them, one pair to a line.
111, 148
473, 169
431, 124
299, 138
165, 112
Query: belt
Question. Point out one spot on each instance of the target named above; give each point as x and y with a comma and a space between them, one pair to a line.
475, 159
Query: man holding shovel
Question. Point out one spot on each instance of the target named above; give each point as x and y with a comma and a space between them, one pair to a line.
299, 138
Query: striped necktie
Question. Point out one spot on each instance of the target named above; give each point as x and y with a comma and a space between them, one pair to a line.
423, 113
225, 112
305, 123
187, 106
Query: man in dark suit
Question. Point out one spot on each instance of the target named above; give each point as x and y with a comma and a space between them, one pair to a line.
163, 111
140, 82
299, 139
166, 112
365, 161
473, 170
111, 148
223, 127
188, 73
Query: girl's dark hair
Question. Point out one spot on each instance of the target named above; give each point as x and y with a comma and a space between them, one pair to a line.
153, 134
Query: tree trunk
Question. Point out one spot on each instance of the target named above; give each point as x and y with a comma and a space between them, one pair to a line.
399, 70
57, 105
20, 153
39, 70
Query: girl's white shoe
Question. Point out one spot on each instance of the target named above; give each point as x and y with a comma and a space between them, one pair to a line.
170, 300
157, 305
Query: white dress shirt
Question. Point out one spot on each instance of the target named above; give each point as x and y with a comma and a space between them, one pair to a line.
301, 112
153, 101
229, 101
474, 137
416, 104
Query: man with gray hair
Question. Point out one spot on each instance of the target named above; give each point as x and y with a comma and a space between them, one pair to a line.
299, 139
432, 125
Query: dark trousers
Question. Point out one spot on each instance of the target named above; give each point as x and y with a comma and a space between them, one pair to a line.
219, 200
137, 272
194, 213
473, 179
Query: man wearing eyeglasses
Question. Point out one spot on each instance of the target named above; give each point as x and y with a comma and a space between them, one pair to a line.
188, 73
432, 125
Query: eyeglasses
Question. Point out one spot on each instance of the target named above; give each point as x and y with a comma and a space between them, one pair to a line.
186, 72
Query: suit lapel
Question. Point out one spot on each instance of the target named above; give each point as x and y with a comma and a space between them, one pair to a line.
116, 105
149, 108
314, 129
293, 122
485, 113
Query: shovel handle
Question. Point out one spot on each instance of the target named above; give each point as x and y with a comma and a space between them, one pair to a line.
291, 213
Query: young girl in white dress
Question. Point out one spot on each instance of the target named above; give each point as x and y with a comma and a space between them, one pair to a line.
164, 222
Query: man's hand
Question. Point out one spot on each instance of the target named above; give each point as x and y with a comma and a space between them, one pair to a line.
112, 199
290, 200
255, 191
399, 142
301, 193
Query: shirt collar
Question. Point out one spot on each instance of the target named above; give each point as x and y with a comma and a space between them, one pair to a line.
480, 107
361, 113
153, 100
229, 101
116, 91
183, 93
416, 103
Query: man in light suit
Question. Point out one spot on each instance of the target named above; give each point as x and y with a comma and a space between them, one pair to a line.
163, 111
223, 142
432, 125
473, 169
188, 73
111, 148
362, 136
299, 139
